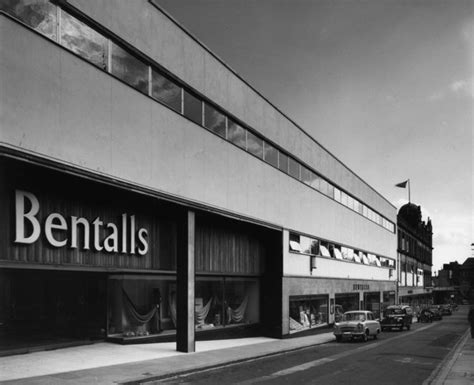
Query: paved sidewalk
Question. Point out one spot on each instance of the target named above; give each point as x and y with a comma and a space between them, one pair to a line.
132, 363
459, 369
106, 363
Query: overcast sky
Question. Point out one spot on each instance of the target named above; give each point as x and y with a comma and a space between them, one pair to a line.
387, 86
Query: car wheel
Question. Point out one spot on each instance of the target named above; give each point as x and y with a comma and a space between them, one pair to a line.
365, 336
338, 338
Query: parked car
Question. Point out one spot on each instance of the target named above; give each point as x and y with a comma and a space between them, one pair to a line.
357, 324
446, 309
426, 315
397, 317
436, 313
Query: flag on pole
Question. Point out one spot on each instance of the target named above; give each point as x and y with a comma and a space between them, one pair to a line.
402, 184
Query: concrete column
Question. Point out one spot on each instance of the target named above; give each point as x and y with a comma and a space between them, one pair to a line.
185, 336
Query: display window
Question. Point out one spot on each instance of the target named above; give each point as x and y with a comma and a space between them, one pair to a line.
372, 303
222, 302
141, 306
345, 302
388, 299
308, 312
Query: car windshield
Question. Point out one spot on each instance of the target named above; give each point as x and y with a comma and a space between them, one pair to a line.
353, 317
393, 311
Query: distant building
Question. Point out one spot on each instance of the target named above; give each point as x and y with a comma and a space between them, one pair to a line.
455, 282
415, 247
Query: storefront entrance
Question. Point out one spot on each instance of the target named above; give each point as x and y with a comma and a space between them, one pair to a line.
43, 307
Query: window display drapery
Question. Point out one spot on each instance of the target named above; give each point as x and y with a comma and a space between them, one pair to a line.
200, 315
238, 314
132, 311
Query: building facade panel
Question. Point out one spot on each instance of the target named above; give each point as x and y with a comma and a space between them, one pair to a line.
252, 109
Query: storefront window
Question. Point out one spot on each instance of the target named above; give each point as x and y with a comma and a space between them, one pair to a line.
142, 306
223, 302
388, 299
345, 302
308, 312
372, 303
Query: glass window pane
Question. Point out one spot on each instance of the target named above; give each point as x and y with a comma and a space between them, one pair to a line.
236, 134
129, 69
294, 168
337, 195
343, 198
350, 202
283, 162
192, 108
316, 182
307, 175
214, 120
330, 191
323, 186
254, 145
270, 154
242, 301
39, 15
83, 40
166, 91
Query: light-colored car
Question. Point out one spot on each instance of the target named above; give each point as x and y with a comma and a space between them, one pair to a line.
357, 324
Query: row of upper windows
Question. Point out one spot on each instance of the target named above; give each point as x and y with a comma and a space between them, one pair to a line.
313, 246
78, 37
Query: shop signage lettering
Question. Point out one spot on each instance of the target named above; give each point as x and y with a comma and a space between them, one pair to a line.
128, 240
360, 286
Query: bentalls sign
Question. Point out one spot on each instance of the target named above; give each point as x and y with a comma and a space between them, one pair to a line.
63, 232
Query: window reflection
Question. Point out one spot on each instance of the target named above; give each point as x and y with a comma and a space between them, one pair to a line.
270, 154
236, 134
315, 183
83, 40
283, 162
293, 168
192, 108
39, 15
129, 69
214, 120
254, 145
166, 91
306, 176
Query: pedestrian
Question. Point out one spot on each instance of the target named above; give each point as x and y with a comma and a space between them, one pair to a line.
470, 318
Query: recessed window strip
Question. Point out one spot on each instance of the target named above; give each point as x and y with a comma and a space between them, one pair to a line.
109, 55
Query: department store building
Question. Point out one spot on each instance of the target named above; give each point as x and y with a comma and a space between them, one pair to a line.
148, 192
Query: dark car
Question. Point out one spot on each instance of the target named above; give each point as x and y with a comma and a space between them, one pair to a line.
436, 313
446, 309
426, 315
397, 317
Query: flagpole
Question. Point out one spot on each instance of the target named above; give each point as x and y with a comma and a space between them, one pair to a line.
409, 197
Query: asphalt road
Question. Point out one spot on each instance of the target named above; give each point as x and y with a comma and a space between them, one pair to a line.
396, 357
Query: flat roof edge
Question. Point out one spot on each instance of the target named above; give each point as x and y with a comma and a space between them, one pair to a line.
193, 37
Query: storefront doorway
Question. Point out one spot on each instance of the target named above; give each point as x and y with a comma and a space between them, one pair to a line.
41, 307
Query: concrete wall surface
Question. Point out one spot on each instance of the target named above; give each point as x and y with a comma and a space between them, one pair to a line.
154, 34
63, 108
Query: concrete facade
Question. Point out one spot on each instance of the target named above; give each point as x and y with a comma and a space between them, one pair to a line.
60, 108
